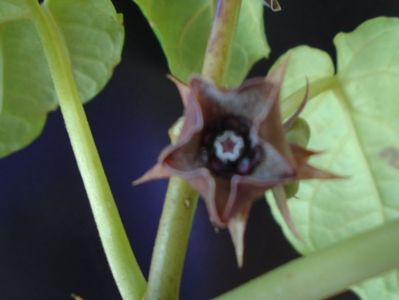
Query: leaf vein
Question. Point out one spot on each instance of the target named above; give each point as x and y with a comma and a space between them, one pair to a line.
344, 102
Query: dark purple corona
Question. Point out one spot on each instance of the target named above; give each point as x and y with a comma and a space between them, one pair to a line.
227, 148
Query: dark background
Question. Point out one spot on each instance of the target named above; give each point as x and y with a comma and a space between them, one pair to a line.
49, 246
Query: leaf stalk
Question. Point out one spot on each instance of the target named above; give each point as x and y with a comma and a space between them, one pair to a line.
123, 264
327, 272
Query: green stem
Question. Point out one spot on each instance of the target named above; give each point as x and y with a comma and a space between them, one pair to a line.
172, 237
329, 271
172, 241
218, 52
123, 264
181, 201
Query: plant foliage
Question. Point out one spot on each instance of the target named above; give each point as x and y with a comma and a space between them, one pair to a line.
353, 118
183, 27
93, 33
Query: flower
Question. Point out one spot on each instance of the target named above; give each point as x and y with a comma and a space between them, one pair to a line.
232, 148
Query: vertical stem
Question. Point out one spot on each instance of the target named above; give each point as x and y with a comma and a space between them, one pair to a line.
172, 241
121, 259
218, 52
181, 201
173, 236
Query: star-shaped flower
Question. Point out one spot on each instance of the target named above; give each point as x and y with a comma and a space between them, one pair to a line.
232, 148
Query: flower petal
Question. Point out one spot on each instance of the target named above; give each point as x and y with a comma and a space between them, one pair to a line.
281, 201
303, 171
156, 172
250, 100
202, 92
290, 122
184, 156
273, 166
180, 160
193, 119
306, 171
245, 191
214, 190
237, 226
269, 126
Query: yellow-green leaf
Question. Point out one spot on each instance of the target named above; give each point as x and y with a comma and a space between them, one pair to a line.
94, 37
353, 117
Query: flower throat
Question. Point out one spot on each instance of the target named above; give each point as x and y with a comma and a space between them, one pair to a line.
227, 148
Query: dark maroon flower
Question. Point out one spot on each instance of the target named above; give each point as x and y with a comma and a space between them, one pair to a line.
232, 148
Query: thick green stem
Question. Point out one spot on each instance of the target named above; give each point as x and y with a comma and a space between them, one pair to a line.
181, 201
124, 267
218, 52
172, 241
327, 272
173, 236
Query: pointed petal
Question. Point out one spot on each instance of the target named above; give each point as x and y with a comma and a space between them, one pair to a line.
217, 202
301, 154
306, 171
184, 156
288, 124
269, 126
237, 225
309, 172
156, 172
193, 121
281, 200
273, 170
180, 160
206, 95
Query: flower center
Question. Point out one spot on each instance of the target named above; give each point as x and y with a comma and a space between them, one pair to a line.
227, 148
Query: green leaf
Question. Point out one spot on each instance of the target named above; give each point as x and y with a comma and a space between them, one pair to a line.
26, 93
353, 117
94, 36
11, 10
183, 27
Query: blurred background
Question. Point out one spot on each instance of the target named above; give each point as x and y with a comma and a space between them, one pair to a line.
49, 246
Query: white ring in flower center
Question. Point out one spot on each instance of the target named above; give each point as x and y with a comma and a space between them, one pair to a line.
228, 146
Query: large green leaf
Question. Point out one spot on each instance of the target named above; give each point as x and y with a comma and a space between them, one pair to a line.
353, 116
183, 26
94, 36
13, 9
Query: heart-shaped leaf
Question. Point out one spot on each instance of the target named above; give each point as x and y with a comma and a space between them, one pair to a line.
353, 117
183, 27
94, 37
